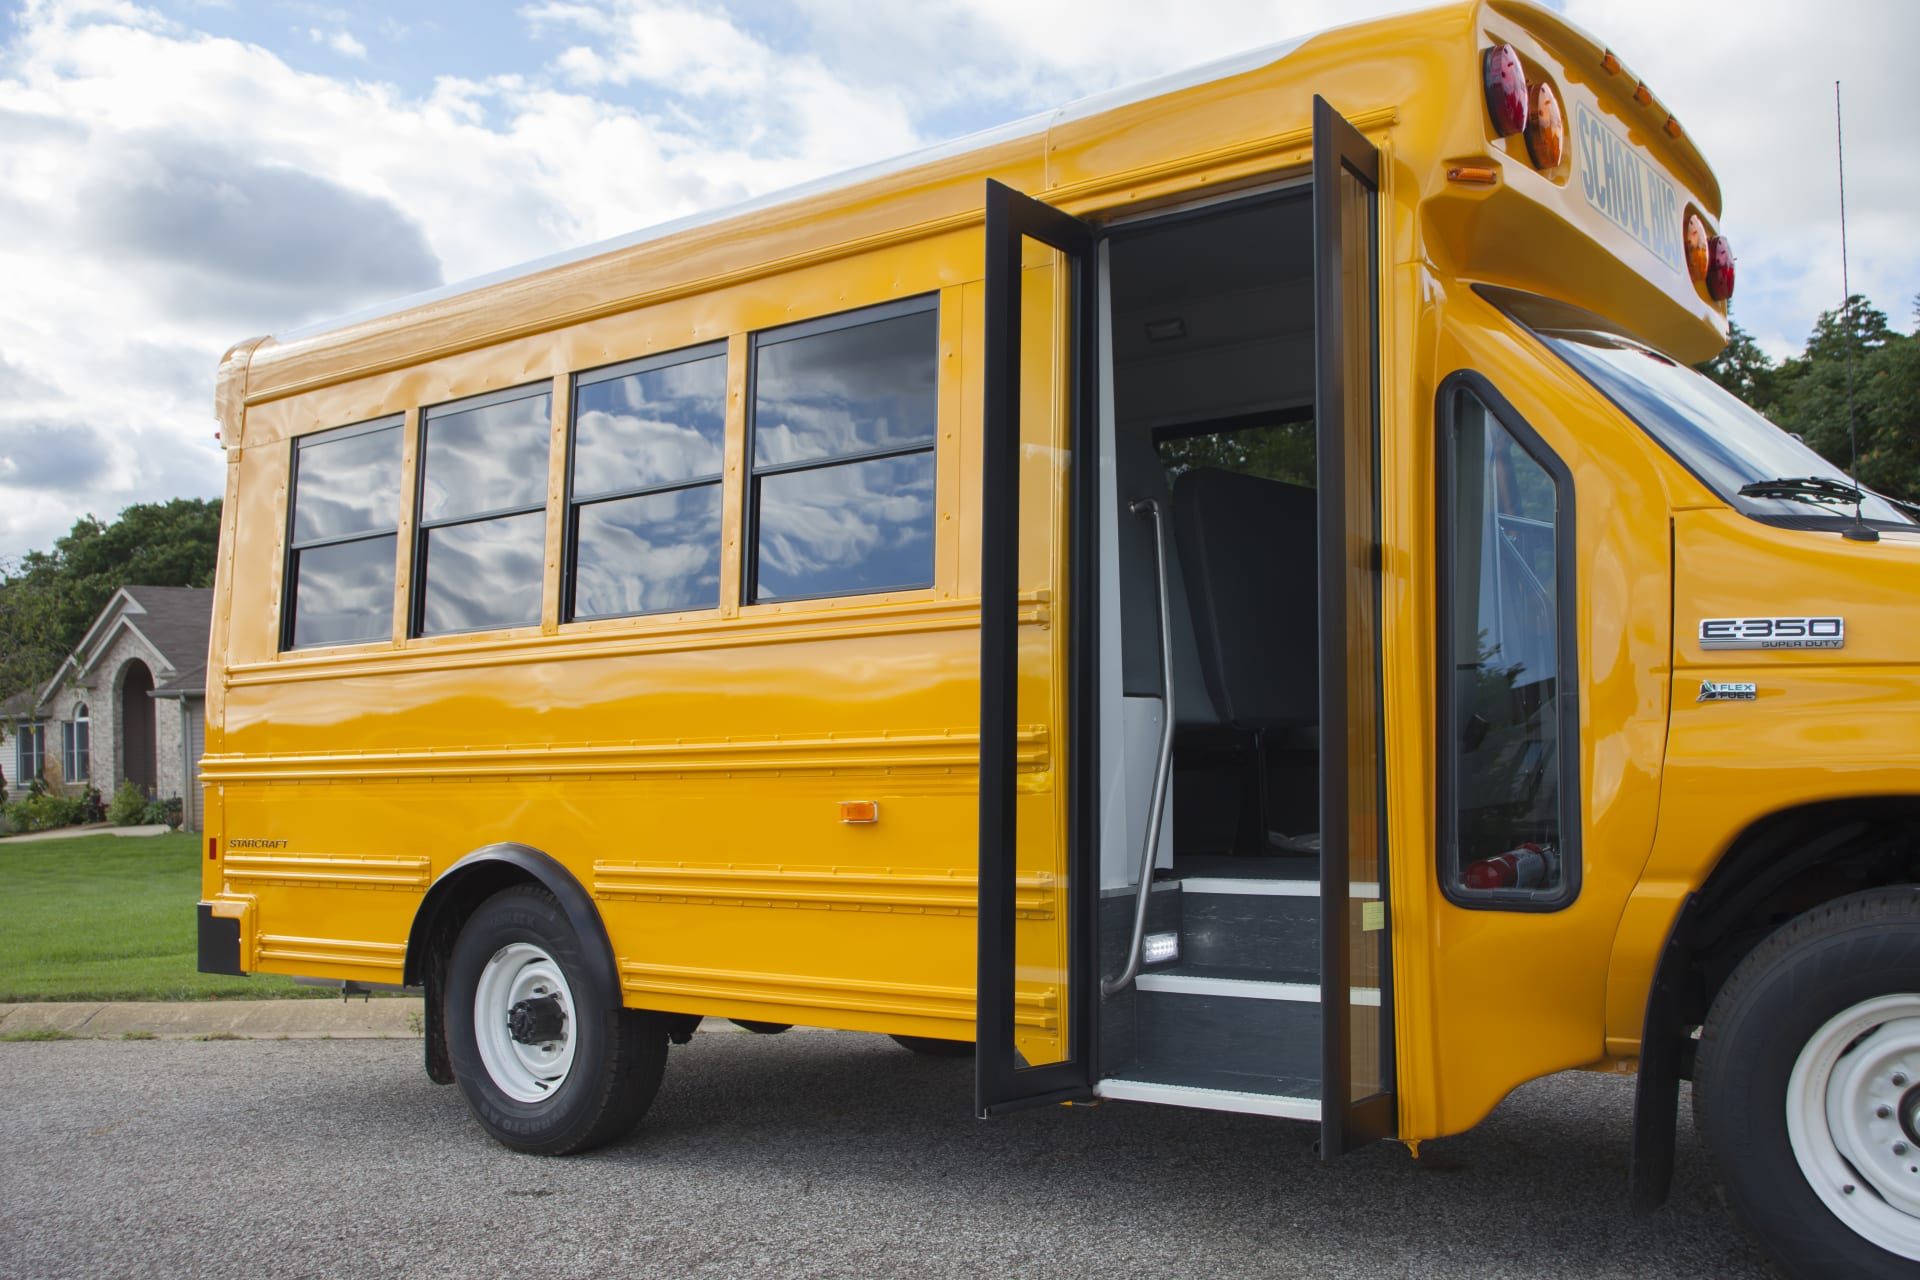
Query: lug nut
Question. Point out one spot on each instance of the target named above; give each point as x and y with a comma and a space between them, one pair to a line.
1882, 1112
1899, 1079
1899, 1148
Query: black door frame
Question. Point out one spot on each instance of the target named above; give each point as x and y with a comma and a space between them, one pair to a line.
1001, 1082
1339, 148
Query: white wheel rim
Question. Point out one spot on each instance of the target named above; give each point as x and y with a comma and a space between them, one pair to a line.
1853, 1105
524, 1072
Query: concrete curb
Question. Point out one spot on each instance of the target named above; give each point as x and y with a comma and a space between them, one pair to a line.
397, 1017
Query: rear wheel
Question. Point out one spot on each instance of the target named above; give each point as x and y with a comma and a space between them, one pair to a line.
1808, 1088
928, 1047
549, 1061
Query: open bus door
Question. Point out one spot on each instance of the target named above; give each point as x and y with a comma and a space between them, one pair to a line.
1357, 1099
1034, 1042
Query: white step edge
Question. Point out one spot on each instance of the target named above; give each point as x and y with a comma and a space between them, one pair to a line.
1186, 1095
1191, 984
1272, 888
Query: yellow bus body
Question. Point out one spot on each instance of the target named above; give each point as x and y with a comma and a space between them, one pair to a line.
688, 769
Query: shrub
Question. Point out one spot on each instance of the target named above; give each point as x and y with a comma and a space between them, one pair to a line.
44, 811
158, 811
96, 808
129, 801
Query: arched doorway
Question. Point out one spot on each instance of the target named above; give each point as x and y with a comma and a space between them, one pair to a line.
138, 756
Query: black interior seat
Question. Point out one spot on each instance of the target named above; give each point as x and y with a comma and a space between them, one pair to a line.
1248, 556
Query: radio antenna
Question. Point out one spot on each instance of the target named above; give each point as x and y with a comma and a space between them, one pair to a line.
1859, 530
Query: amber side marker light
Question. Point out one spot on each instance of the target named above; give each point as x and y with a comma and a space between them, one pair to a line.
1719, 269
1695, 239
1474, 173
1506, 86
1546, 130
860, 812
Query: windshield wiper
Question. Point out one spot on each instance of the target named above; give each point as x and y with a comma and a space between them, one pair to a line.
1816, 489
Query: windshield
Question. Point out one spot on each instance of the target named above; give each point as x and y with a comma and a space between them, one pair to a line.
1718, 437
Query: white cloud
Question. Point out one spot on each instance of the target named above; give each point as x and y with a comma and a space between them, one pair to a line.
341, 42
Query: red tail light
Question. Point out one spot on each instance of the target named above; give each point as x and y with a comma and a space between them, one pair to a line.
1506, 86
1719, 269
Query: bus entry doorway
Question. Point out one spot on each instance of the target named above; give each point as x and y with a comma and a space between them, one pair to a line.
1236, 711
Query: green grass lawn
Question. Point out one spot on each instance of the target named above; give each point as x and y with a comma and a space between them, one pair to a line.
109, 918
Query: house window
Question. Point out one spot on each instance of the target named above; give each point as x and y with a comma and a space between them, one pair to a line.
644, 503
842, 500
76, 735
29, 752
344, 526
480, 555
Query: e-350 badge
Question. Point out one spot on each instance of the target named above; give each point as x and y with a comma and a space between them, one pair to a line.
1773, 633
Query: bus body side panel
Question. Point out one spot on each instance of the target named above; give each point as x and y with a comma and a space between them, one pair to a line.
1825, 724
687, 769
1519, 994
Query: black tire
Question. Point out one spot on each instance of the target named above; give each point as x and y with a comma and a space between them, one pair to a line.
928, 1047
618, 1054
1787, 997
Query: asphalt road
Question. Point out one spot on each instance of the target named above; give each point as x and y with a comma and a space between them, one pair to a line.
808, 1154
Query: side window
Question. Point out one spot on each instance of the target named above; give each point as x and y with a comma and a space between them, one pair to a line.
649, 438
1510, 817
29, 752
480, 557
343, 522
76, 745
841, 499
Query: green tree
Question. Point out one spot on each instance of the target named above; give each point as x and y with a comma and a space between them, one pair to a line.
50, 598
1743, 368
1812, 399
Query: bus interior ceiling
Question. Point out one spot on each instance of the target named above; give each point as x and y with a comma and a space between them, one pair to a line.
1213, 383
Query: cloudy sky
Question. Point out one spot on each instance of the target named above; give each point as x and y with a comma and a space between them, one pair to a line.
178, 175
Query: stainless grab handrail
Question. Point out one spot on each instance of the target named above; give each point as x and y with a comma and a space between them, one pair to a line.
1163, 763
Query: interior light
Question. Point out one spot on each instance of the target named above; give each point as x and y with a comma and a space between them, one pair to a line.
1506, 86
1546, 131
1719, 269
1696, 242
1158, 948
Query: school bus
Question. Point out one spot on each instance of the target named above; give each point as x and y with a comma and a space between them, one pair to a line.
1226, 594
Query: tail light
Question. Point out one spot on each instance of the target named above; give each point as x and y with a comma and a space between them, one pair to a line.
1719, 269
1546, 131
1506, 85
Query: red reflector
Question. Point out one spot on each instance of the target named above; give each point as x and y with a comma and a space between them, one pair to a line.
1546, 132
1506, 86
1719, 269
213, 848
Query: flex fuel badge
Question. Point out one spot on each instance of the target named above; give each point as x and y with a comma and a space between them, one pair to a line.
1728, 691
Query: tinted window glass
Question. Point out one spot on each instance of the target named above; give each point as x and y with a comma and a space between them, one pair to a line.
493, 458
347, 484
484, 574
483, 512
871, 386
656, 552
346, 490
1505, 644
658, 426
844, 414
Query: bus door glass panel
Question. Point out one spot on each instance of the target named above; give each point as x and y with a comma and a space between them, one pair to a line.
1036, 840
1357, 1105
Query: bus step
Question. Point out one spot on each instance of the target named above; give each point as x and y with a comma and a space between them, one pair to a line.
1253, 1023
1293, 1099
1239, 921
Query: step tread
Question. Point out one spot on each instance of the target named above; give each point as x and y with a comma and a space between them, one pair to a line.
1289, 1097
1246, 984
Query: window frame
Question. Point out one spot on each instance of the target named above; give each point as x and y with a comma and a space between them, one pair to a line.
1566, 656
289, 577
27, 732
571, 507
754, 473
417, 553
76, 757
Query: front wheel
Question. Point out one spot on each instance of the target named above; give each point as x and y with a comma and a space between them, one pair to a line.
1807, 1088
549, 1061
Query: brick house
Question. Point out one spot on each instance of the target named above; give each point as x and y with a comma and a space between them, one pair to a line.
129, 702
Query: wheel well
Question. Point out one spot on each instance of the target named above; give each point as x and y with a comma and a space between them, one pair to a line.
1782, 866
